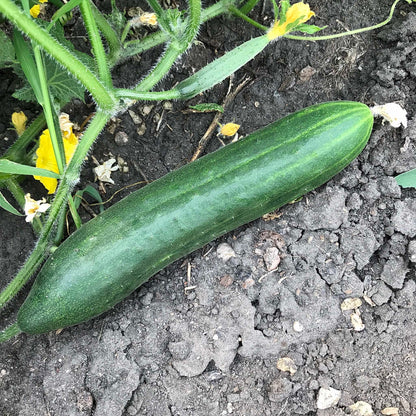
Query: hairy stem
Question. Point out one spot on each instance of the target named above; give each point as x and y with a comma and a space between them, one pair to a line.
96, 43
9, 332
102, 96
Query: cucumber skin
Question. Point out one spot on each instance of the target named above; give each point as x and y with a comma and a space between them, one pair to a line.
114, 253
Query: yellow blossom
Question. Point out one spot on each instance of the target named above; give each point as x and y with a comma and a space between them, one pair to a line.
46, 156
229, 129
36, 9
149, 19
298, 12
34, 208
19, 122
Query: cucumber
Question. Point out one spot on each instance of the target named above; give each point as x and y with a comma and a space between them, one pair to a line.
111, 255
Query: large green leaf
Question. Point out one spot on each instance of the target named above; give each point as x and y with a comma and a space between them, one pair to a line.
6, 50
7, 166
407, 179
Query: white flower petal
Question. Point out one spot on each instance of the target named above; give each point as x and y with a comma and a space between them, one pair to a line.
391, 112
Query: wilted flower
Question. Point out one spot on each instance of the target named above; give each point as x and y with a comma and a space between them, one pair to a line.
295, 15
19, 122
391, 112
103, 172
46, 156
229, 129
34, 208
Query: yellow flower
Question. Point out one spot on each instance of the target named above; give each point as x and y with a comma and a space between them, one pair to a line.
229, 129
36, 9
34, 208
19, 122
46, 156
149, 19
298, 12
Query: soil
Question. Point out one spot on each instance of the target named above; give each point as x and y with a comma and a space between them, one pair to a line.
204, 336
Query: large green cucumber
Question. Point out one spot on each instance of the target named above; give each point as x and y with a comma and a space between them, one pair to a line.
113, 254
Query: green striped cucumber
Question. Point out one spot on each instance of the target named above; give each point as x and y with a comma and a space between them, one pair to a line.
111, 255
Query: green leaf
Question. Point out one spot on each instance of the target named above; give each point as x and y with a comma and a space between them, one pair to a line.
7, 54
310, 29
7, 166
284, 6
27, 63
62, 86
7, 206
62, 11
207, 107
407, 179
90, 190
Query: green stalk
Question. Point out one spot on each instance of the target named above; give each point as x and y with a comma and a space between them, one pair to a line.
56, 136
175, 49
9, 332
68, 181
74, 213
110, 35
17, 150
154, 4
239, 13
134, 47
102, 96
348, 32
147, 96
248, 6
96, 43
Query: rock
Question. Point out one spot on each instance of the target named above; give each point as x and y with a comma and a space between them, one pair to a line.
404, 219
361, 408
412, 251
286, 364
225, 252
351, 303
394, 272
271, 258
380, 293
280, 389
327, 397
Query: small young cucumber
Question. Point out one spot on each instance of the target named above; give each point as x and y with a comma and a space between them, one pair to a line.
113, 254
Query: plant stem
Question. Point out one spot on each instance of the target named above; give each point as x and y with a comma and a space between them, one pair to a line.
348, 32
150, 96
102, 96
17, 150
239, 13
68, 181
174, 50
56, 136
74, 213
154, 4
110, 35
134, 47
9, 332
96, 43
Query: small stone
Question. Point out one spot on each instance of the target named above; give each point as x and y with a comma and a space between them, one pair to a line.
225, 252
141, 129
391, 411
271, 258
248, 283
327, 397
394, 272
297, 326
137, 120
351, 303
381, 293
147, 109
286, 364
412, 251
131, 410
168, 106
121, 138
306, 73
361, 408
226, 280
356, 322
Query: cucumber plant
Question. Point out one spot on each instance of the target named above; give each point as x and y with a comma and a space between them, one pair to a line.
43, 46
